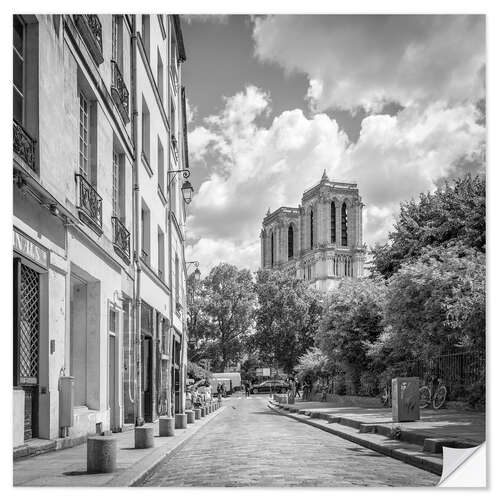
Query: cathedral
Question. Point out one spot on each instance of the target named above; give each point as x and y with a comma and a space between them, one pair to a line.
321, 240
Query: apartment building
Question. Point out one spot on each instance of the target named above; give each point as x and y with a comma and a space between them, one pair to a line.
99, 268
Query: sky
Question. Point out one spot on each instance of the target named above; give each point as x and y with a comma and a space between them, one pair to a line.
394, 103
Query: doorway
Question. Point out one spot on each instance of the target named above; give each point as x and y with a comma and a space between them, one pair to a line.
147, 376
78, 339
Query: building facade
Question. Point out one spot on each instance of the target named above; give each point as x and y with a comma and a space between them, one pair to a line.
321, 240
99, 268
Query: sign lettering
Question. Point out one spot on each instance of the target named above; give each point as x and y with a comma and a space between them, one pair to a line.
30, 249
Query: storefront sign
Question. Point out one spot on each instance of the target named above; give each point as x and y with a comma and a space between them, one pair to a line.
28, 248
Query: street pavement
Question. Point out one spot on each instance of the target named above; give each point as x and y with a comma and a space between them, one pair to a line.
250, 445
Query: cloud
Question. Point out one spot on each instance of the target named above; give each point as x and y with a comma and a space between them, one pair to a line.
366, 61
254, 166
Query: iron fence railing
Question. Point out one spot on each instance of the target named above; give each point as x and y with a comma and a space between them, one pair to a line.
89, 204
24, 146
119, 91
121, 238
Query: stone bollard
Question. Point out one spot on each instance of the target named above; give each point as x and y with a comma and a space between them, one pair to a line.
101, 454
203, 412
144, 436
180, 420
167, 426
190, 416
197, 413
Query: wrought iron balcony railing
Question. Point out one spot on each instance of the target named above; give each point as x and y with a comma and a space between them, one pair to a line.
90, 28
119, 91
121, 239
24, 146
89, 204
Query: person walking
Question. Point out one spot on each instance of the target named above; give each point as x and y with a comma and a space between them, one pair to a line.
297, 388
247, 389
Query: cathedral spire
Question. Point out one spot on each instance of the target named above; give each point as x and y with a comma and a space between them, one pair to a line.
324, 177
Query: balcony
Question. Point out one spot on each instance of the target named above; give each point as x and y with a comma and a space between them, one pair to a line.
119, 92
121, 239
91, 31
24, 147
89, 204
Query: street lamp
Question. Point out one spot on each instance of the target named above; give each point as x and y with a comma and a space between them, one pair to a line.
197, 272
187, 188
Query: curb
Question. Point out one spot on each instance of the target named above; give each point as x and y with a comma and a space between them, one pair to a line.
415, 458
139, 471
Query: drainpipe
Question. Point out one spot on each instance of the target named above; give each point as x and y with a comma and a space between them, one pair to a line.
136, 228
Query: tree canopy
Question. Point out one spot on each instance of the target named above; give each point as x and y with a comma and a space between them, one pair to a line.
455, 214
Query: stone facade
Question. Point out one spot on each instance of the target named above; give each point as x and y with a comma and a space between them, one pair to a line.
99, 285
321, 240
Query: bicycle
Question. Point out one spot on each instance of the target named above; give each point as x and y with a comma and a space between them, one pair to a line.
386, 396
436, 397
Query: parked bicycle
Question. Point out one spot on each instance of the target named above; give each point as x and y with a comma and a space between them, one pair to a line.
435, 393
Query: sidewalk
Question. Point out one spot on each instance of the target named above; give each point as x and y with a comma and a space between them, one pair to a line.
68, 467
418, 443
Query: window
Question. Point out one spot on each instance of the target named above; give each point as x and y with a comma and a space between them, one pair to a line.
290, 241
118, 197
333, 227
159, 75
145, 34
177, 279
145, 131
19, 69
344, 225
161, 254
173, 57
272, 249
145, 233
161, 166
113, 320
84, 135
173, 121
117, 49
311, 228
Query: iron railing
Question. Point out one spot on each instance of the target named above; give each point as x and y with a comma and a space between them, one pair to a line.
121, 238
90, 28
89, 204
24, 146
119, 91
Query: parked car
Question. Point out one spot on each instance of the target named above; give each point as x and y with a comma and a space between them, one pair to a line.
270, 386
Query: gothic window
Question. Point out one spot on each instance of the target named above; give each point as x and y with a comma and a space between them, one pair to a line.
311, 229
272, 249
333, 227
344, 225
290, 241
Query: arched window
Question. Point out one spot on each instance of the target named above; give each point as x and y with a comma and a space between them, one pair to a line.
333, 225
344, 225
311, 230
290, 241
272, 249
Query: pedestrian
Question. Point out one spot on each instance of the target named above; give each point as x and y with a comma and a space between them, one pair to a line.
189, 401
297, 388
323, 393
247, 389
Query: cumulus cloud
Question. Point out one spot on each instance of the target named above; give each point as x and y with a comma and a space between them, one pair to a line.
255, 166
365, 61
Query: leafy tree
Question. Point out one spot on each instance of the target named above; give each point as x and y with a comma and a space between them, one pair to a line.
352, 321
228, 303
287, 317
312, 364
455, 214
434, 304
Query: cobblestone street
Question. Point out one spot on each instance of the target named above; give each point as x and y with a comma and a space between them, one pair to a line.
250, 445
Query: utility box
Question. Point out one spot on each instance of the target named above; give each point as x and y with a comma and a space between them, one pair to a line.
405, 399
66, 401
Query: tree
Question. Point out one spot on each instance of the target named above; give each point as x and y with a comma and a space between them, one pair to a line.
228, 303
312, 364
352, 321
287, 317
434, 304
455, 214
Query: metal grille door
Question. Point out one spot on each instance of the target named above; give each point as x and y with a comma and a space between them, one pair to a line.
29, 326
